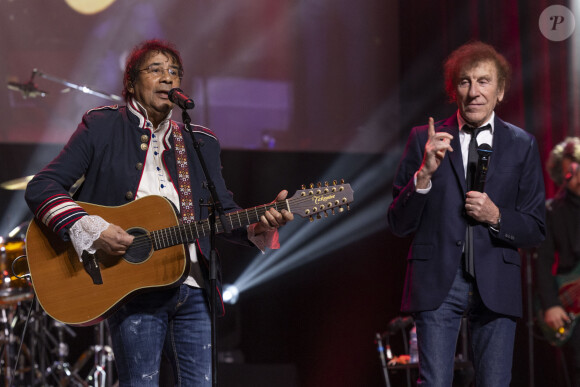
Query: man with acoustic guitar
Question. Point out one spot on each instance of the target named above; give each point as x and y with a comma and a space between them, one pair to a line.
131, 152
559, 294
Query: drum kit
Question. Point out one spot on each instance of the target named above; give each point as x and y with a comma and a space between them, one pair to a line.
34, 348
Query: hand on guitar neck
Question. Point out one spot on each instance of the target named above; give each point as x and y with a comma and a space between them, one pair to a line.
556, 318
272, 218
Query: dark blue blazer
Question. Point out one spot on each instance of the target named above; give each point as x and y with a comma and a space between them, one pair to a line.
109, 149
438, 222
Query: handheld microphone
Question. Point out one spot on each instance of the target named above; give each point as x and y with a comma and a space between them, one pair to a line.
484, 153
178, 97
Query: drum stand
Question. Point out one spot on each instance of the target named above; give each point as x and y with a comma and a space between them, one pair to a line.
7, 354
60, 368
15, 372
53, 346
101, 375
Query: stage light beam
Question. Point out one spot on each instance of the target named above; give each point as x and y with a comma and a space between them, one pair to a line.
306, 244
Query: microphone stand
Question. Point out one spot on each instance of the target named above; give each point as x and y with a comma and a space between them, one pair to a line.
382, 357
216, 209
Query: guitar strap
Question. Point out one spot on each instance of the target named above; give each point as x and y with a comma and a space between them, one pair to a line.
187, 214
185, 196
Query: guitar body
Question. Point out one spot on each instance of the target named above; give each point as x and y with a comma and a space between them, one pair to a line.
569, 290
68, 294
74, 295
568, 294
555, 337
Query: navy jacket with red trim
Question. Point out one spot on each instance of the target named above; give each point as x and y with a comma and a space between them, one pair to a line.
107, 149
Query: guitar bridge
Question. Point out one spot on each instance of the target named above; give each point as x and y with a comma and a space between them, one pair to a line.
92, 267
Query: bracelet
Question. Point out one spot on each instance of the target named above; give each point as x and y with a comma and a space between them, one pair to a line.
496, 227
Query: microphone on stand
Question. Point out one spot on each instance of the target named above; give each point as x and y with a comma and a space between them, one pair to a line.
484, 153
178, 97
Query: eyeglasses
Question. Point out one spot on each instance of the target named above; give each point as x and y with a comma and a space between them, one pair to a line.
158, 71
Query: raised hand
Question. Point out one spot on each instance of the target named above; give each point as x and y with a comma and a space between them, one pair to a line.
438, 143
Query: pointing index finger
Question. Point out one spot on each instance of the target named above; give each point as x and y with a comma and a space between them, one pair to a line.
431, 130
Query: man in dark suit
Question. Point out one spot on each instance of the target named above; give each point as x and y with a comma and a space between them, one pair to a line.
448, 219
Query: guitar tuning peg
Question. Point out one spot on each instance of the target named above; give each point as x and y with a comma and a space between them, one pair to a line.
303, 186
318, 216
319, 184
310, 218
340, 209
332, 211
325, 214
348, 207
341, 181
326, 183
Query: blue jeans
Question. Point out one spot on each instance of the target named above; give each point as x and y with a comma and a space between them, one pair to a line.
491, 338
174, 321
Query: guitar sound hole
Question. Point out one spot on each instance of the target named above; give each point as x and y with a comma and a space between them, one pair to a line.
141, 248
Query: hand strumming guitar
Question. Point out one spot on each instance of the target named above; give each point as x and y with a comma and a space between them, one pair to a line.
114, 240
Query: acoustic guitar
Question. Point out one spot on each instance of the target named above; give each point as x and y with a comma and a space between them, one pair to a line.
83, 292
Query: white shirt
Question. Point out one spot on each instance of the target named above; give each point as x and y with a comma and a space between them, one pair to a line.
484, 137
156, 181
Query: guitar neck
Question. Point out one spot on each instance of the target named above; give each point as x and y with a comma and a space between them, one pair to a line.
308, 203
248, 216
190, 232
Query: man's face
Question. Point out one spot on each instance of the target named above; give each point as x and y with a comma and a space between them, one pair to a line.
477, 92
153, 84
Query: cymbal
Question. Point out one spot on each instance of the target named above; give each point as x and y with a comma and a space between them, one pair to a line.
16, 184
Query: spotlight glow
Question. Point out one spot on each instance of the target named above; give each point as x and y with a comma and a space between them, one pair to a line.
231, 294
303, 244
89, 7
14, 231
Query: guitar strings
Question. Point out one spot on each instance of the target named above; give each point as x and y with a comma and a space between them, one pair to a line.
174, 235
171, 234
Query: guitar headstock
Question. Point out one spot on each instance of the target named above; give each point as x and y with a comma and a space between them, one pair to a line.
316, 200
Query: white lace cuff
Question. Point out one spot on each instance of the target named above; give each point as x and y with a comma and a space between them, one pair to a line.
268, 238
85, 232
